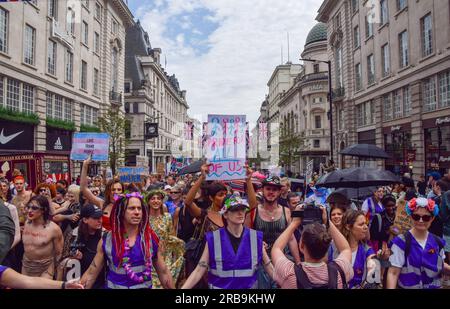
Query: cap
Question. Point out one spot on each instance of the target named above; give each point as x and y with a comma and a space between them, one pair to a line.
233, 202
435, 175
91, 211
272, 181
167, 187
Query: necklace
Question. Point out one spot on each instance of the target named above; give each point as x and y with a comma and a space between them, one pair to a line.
126, 265
271, 213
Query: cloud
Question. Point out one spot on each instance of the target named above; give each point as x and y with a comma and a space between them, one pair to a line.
227, 68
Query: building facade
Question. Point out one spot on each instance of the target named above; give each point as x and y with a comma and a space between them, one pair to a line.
397, 79
151, 95
304, 107
62, 65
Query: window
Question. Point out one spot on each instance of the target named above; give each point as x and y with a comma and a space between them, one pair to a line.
96, 86
127, 87
49, 112
358, 77
13, 94
369, 27
384, 11
365, 113
114, 26
397, 104
114, 70
317, 143
27, 98
69, 66
370, 69
98, 11
58, 107
387, 107
401, 4
355, 4
403, 45
88, 115
338, 63
407, 108
127, 107
444, 89
356, 40
340, 117
83, 82
85, 33
29, 45
135, 108
337, 21
316, 68
68, 109
385, 59
70, 20
3, 30
51, 57
97, 42
53, 8
427, 35
318, 122
429, 94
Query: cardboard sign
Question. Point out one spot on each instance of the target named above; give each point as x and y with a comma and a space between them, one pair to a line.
226, 146
87, 143
402, 221
161, 168
132, 174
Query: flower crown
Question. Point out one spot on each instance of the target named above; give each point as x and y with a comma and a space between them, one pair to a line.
232, 202
429, 204
127, 196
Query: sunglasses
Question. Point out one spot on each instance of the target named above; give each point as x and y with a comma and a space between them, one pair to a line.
32, 207
425, 218
175, 192
43, 190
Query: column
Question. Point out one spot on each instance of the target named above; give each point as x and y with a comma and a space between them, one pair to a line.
417, 138
41, 129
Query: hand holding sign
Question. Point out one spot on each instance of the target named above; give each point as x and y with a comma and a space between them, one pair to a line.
249, 172
205, 169
85, 144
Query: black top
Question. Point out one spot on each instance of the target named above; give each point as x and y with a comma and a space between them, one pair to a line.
235, 241
89, 250
422, 186
185, 228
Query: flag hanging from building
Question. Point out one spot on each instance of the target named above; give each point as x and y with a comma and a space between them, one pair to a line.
189, 131
263, 131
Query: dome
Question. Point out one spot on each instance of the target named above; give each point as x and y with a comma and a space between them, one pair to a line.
317, 33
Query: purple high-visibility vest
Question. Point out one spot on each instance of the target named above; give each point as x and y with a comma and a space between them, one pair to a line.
423, 267
116, 277
230, 270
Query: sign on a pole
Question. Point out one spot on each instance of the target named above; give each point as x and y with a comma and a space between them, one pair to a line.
132, 174
87, 143
226, 146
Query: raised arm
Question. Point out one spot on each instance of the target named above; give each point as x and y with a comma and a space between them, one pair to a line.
89, 277
251, 195
84, 185
193, 209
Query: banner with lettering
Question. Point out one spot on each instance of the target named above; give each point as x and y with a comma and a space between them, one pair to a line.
87, 143
132, 174
226, 146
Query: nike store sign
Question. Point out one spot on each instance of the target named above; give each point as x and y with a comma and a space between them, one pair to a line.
16, 136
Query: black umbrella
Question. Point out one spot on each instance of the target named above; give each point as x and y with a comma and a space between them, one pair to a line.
365, 151
355, 193
357, 177
192, 168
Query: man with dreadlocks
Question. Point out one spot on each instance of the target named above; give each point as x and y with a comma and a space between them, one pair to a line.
130, 248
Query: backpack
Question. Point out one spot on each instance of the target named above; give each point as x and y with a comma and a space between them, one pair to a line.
408, 239
333, 269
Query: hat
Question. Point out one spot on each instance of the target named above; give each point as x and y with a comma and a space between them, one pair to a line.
91, 211
233, 202
435, 175
272, 181
167, 187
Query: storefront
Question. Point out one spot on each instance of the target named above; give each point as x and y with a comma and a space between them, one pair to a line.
57, 158
437, 144
397, 144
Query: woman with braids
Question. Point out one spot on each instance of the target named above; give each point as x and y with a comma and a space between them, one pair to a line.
112, 187
130, 249
210, 218
171, 247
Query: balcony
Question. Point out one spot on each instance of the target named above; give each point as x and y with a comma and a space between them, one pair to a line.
63, 36
313, 77
338, 93
115, 97
317, 132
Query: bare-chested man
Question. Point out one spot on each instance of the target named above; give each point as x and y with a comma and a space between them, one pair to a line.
42, 240
21, 199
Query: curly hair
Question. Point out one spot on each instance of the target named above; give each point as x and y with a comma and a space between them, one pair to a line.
51, 187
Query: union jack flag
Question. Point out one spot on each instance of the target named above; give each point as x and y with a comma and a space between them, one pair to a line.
263, 130
188, 131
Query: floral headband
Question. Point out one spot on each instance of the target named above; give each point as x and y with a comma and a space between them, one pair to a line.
233, 202
127, 196
429, 204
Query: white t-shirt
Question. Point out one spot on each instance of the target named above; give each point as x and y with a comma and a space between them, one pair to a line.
365, 205
397, 258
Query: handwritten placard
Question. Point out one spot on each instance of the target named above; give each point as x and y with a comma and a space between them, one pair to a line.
87, 143
132, 174
226, 146
402, 222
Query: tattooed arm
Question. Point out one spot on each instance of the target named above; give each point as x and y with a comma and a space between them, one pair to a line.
91, 274
163, 272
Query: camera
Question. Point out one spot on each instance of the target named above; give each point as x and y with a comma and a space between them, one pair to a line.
74, 247
309, 214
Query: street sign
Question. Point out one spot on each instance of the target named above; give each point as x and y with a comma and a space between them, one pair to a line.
151, 130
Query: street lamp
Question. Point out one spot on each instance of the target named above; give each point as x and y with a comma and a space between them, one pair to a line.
330, 99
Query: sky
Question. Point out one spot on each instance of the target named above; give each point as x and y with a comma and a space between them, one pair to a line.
223, 52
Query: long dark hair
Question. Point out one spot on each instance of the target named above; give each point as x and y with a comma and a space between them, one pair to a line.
43, 202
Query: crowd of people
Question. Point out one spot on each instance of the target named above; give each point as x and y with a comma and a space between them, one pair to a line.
182, 231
